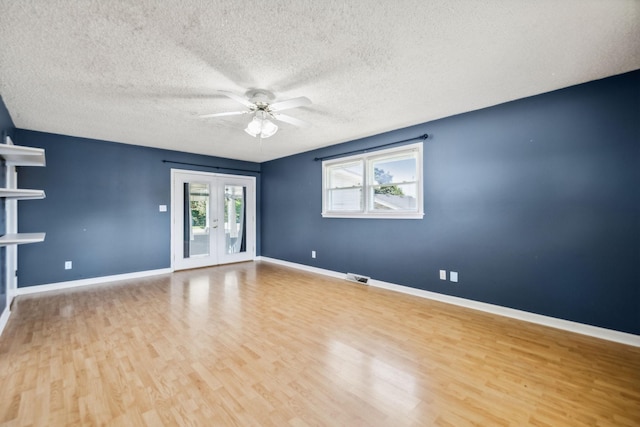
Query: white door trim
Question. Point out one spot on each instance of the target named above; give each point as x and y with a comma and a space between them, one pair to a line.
176, 230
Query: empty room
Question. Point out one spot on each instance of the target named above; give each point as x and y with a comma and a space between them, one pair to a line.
298, 213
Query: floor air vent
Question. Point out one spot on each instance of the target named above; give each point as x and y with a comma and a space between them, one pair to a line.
357, 278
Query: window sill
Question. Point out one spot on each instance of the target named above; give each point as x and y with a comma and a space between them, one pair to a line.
400, 215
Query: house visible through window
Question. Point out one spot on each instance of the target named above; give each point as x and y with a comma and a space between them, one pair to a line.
381, 184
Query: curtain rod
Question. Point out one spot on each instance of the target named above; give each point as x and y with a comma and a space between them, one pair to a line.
364, 150
208, 166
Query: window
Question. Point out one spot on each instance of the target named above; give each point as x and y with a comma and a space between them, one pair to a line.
381, 184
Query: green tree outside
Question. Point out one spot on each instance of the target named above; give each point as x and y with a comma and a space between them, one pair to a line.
382, 177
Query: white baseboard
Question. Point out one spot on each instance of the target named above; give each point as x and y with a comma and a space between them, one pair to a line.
91, 281
302, 267
567, 325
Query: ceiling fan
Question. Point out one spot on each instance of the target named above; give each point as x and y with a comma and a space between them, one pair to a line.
260, 105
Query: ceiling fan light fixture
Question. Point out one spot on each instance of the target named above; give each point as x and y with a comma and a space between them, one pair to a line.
254, 127
247, 130
268, 128
261, 126
258, 102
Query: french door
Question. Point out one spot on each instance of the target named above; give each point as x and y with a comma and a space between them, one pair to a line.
213, 219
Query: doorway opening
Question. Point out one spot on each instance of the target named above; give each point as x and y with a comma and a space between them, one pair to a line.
213, 219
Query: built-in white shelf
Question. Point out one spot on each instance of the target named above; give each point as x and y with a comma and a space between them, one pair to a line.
21, 194
15, 155
12, 156
20, 238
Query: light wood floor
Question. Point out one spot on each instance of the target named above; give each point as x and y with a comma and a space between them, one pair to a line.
256, 344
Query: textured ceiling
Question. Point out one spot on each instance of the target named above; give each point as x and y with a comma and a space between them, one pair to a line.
142, 71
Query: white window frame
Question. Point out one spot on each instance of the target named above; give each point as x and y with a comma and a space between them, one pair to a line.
368, 159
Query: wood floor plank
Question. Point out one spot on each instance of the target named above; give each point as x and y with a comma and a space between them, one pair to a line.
256, 344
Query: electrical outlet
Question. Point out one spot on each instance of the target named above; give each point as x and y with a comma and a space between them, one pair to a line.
162, 208
68, 265
313, 254
443, 274
453, 276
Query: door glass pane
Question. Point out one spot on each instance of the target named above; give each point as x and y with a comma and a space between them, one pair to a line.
196, 219
235, 219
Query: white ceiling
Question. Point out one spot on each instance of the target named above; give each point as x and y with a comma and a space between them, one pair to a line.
142, 71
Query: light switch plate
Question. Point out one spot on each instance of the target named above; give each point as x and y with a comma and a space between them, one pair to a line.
162, 208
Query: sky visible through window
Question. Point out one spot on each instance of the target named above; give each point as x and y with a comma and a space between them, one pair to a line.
402, 170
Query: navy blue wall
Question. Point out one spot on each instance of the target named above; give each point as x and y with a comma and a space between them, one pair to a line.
101, 207
535, 203
6, 128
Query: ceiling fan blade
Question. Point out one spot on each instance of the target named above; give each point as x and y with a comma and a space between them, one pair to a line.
290, 103
241, 100
290, 120
230, 113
